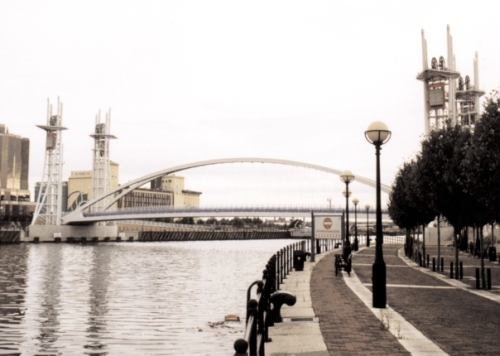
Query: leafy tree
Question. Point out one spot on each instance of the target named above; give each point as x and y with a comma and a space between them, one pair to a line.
211, 221
237, 222
257, 221
443, 153
400, 210
420, 200
481, 169
186, 220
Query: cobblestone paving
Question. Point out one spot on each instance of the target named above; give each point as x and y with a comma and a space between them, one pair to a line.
458, 321
348, 327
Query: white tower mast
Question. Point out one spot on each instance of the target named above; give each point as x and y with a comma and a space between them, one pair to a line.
49, 202
439, 87
468, 98
101, 177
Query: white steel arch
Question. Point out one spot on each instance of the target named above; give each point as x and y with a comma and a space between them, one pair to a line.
77, 214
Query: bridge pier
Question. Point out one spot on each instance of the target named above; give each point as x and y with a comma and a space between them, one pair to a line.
48, 233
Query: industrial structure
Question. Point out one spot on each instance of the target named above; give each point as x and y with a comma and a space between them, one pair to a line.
49, 202
444, 98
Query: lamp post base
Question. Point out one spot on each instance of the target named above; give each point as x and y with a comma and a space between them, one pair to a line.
378, 284
347, 250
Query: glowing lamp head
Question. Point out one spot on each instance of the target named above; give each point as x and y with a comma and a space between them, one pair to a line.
377, 133
347, 177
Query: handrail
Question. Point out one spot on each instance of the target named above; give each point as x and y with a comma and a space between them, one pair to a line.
258, 317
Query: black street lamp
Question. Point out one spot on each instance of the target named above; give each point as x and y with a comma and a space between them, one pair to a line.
347, 177
378, 134
355, 201
367, 207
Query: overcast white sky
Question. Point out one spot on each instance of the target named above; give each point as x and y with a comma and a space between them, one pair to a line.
196, 80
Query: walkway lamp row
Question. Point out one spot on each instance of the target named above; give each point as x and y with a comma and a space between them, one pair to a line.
377, 134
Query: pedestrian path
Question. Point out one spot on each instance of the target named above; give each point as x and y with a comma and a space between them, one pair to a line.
408, 336
427, 313
457, 321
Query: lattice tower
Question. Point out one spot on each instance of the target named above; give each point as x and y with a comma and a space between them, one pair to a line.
49, 202
101, 176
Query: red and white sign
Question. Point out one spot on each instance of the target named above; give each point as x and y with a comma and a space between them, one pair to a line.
328, 226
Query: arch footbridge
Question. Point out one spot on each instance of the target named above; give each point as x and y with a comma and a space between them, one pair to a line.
78, 216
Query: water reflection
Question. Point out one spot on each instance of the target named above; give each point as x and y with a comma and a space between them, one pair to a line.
96, 324
126, 299
13, 267
45, 272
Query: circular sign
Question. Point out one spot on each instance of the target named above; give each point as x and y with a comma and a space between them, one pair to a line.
327, 223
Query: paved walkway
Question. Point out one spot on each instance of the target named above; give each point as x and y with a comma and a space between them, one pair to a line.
427, 314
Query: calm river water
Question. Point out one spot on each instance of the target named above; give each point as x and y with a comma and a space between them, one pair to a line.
126, 298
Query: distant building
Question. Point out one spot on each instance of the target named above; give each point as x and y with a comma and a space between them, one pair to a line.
15, 205
80, 186
14, 165
165, 191
175, 185
146, 197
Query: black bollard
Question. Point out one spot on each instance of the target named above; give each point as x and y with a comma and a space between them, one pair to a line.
427, 260
488, 278
451, 270
477, 278
461, 270
433, 264
442, 264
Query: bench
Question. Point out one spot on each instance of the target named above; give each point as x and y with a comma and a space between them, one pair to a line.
341, 263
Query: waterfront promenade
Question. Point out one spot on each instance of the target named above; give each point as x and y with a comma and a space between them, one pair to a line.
428, 313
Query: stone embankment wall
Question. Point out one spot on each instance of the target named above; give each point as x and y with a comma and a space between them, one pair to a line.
10, 236
211, 235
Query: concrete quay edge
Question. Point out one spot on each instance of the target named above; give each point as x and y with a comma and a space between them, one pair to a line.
298, 338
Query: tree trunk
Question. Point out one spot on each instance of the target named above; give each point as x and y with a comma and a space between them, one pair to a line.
408, 244
456, 233
483, 277
466, 238
439, 242
423, 243
415, 233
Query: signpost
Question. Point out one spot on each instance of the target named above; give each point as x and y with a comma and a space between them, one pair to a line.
325, 226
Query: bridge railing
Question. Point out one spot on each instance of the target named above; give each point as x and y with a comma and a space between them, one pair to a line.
260, 316
303, 209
